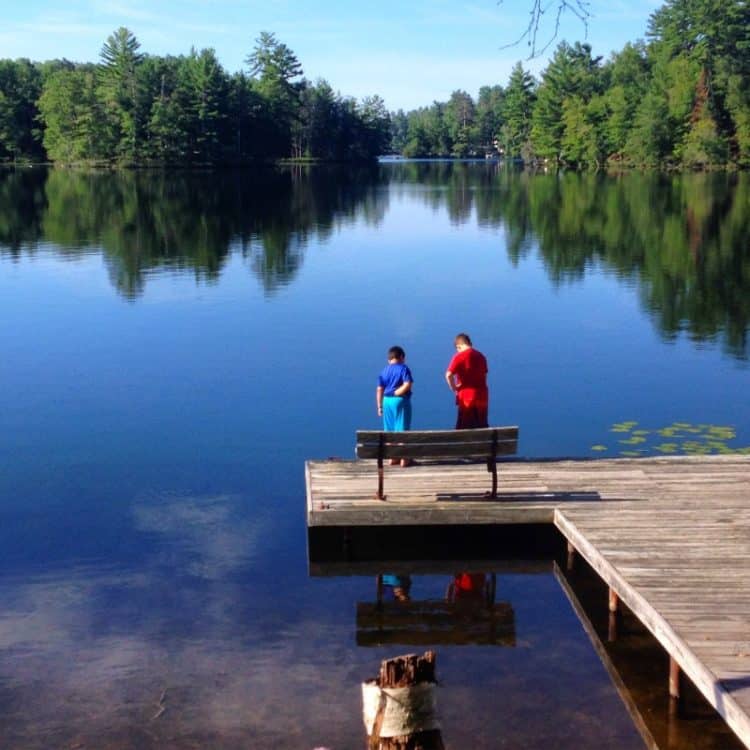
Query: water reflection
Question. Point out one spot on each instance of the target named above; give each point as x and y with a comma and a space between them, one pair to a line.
679, 239
468, 614
183, 221
629, 688
509, 652
638, 668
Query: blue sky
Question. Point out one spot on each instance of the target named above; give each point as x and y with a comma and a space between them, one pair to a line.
410, 52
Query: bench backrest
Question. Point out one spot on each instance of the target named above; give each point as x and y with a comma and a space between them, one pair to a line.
485, 442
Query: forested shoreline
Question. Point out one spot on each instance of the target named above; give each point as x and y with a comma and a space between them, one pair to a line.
132, 108
681, 99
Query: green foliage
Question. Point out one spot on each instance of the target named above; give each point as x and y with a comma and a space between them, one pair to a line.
119, 90
459, 115
517, 106
76, 128
20, 88
683, 99
569, 82
680, 100
133, 108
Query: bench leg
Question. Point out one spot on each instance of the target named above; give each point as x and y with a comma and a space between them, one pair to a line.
380, 495
492, 468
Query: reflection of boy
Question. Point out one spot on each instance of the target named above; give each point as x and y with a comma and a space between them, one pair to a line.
398, 586
467, 378
466, 587
393, 394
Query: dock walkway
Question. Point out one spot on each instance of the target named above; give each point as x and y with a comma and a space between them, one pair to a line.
669, 536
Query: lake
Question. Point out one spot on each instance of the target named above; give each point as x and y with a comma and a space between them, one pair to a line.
175, 345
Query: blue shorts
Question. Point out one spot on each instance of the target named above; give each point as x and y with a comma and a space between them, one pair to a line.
396, 414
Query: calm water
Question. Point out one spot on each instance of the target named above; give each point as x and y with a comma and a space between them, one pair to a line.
174, 346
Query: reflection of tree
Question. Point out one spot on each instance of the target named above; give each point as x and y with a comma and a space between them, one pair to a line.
22, 203
147, 220
681, 238
286, 210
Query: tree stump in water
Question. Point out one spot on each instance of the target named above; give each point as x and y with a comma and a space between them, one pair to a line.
399, 705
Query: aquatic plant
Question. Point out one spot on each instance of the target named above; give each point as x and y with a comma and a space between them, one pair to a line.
681, 438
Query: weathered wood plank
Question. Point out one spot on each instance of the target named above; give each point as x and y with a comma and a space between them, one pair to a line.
479, 434
471, 449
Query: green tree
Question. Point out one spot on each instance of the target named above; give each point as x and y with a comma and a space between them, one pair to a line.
628, 73
20, 87
273, 68
75, 128
516, 111
205, 88
119, 90
583, 139
649, 141
572, 71
738, 107
489, 117
167, 127
711, 38
459, 121
376, 127
399, 131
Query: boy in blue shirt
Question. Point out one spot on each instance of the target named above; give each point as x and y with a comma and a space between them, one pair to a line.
393, 395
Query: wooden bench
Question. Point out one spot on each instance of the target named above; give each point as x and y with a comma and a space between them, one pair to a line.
485, 443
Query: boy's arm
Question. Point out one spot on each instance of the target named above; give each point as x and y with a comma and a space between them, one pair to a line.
450, 379
403, 389
379, 398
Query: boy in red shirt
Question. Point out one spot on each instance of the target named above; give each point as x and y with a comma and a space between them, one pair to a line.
467, 378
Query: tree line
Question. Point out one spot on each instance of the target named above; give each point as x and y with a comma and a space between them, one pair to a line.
679, 99
132, 108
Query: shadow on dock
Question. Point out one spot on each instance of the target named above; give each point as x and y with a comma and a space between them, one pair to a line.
521, 497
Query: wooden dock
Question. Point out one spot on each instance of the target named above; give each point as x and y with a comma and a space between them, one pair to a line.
669, 536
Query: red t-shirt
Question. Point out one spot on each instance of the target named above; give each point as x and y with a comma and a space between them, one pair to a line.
470, 369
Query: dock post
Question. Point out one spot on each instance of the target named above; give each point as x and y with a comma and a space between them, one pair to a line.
571, 559
399, 706
675, 688
614, 609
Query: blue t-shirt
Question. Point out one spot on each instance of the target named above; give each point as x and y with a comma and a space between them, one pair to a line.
393, 377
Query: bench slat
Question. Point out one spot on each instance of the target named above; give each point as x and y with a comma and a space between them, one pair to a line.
438, 436
445, 450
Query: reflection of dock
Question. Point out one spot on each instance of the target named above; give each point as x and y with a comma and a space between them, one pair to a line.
434, 623
675, 547
631, 705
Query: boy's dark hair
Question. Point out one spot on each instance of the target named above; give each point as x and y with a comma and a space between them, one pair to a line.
396, 352
463, 338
